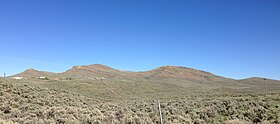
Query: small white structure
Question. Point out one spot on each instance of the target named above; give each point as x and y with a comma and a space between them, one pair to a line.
43, 78
91, 78
18, 78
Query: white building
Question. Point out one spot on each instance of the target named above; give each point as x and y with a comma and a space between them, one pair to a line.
43, 78
18, 78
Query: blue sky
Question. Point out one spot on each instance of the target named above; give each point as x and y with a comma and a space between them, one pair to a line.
232, 38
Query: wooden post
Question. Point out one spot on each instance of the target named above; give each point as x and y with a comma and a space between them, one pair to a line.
265, 86
160, 114
101, 79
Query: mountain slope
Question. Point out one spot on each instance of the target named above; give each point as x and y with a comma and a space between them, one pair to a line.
32, 73
94, 70
257, 81
180, 72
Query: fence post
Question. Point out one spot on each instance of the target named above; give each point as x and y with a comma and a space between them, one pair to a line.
265, 85
160, 114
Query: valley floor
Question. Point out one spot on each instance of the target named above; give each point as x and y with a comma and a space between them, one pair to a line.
30, 102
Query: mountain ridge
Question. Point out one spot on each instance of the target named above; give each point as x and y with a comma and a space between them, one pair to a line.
99, 70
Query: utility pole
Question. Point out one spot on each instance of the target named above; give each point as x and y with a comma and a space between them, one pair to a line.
160, 114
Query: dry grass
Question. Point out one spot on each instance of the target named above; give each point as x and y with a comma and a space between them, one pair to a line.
22, 102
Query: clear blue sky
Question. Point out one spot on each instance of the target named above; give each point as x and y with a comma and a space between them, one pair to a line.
232, 38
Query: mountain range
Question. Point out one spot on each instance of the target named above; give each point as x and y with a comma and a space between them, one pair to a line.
180, 89
164, 72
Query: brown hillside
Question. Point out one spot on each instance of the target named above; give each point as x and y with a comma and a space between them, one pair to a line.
174, 72
32, 73
97, 70
94, 70
257, 81
180, 72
